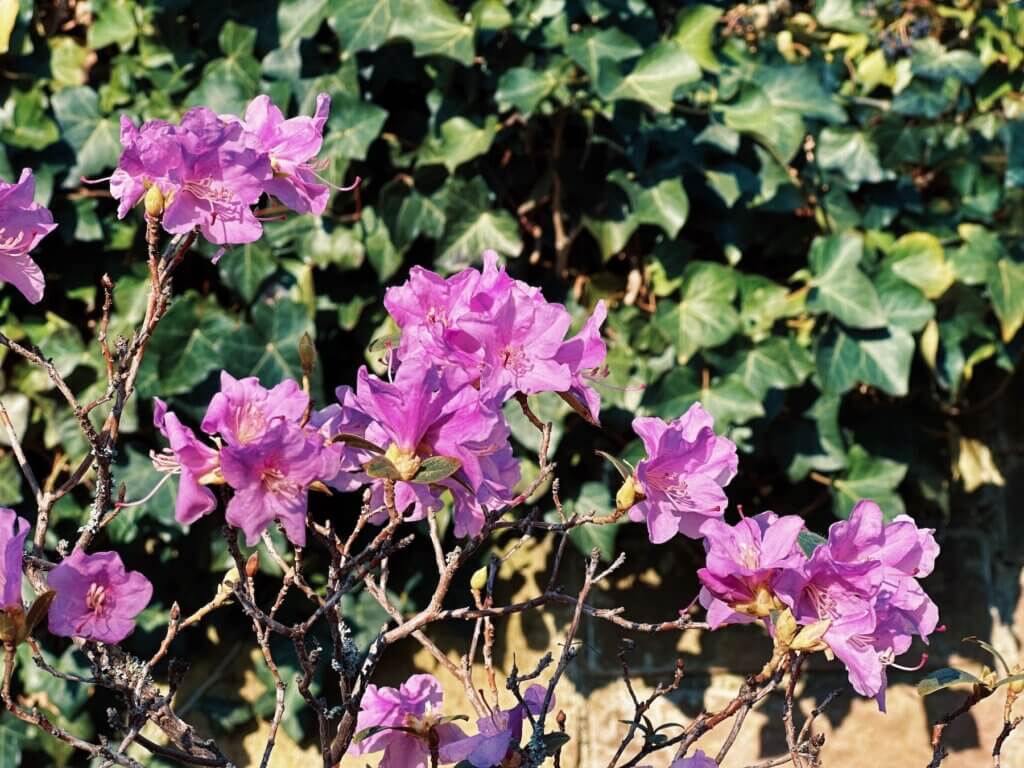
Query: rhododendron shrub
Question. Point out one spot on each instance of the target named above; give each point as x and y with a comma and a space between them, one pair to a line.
421, 436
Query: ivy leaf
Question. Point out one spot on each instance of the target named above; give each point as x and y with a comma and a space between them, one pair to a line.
839, 287
229, 82
932, 61
96, 139
25, 122
1006, 289
459, 141
849, 152
919, 259
269, 348
364, 25
658, 74
247, 267
593, 497
12, 736
869, 477
754, 114
113, 23
777, 363
705, 315
434, 30
299, 19
881, 358
472, 227
352, 127
904, 305
590, 46
524, 89
695, 31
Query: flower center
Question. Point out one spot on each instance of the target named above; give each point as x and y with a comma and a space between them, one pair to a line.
251, 423
406, 462
207, 189
669, 484
421, 725
11, 243
275, 481
96, 598
515, 360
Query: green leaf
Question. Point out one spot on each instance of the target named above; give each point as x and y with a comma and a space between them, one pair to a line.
299, 19
353, 125
919, 259
355, 441
113, 23
850, 153
269, 348
381, 466
434, 30
798, 89
364, 25
664, 204
523, 88
695, 32
96, 139
778, 363
705, 316
870, 477
186, 347
658, 74
932, 61
754, 114
1006, 289
25, 122
472, 227
247, 266
839, 287
904, 305
435, 469
590, 46
879, 358
459, 141
377, 242
10, 480
944, 678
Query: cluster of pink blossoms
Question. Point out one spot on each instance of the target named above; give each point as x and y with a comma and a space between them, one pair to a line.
860, 587
208, 171
403, 722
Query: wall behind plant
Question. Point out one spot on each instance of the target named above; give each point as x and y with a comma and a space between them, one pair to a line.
805, 215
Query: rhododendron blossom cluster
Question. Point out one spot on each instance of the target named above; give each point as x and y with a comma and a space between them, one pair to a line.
207, 171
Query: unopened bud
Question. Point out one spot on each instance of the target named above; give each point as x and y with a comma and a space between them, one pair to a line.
252, 564
307, 354
479, 579
154, 201
626, 497
988, 677
1016, 686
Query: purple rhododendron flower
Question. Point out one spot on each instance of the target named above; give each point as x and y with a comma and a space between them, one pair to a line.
864, 580
422, 415
499, 334
680, 482
291, 146
191, 459
23, 223
413, 707
206, 175
498, 732
743, 563
271, 478
96, 598
13, 530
